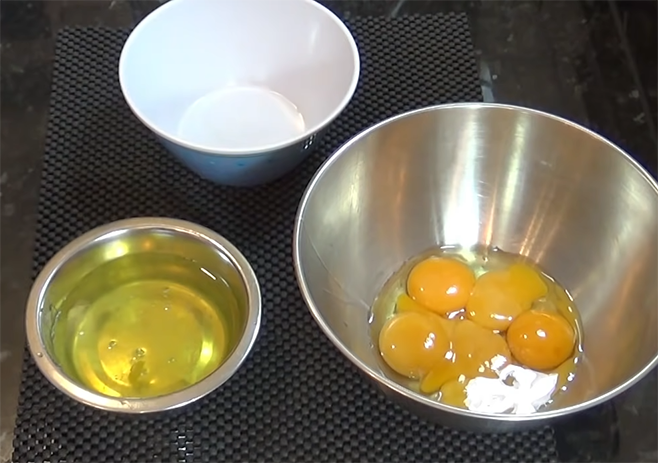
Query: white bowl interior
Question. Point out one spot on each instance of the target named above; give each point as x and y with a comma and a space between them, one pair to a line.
233, 76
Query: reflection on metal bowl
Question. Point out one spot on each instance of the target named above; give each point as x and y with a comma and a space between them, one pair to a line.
143, 282
527, 182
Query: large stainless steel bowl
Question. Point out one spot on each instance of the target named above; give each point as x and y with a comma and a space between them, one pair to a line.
525, 181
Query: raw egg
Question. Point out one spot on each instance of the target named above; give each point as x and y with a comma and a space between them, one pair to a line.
478, 351
449, 327
474, 351
499, 296
526, 283
441, 284
454, 393
406, 304
541, 340
412, 343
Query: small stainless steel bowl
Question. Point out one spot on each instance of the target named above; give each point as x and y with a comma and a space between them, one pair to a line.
140, 235
465, 174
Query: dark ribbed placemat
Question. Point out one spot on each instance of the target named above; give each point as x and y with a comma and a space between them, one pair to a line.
296, 398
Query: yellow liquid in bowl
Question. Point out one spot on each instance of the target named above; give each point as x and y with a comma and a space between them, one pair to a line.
477, 327
145, 326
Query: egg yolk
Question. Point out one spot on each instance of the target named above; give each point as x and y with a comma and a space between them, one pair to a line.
406, 304
441, 284
442, 372
499, 296
478, 351
412, 343
454, 393
474, 351
527, 283
541, 340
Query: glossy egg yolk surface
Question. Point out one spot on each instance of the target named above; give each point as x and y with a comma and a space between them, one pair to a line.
499, 296
413, 343
478, 351
527, 285
404, 304
541, 340
454, 393
474, 351
441, 284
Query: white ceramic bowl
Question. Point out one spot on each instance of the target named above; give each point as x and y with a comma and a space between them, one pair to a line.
239, 89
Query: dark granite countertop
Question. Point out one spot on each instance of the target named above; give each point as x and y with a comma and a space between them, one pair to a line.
591, 61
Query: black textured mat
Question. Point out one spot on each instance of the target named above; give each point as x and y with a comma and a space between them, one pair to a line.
296, 398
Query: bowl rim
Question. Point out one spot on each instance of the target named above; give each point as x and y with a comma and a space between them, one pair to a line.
379, 377
223, 373
240, 152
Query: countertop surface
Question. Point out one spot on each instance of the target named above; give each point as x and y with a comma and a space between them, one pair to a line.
593, 62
